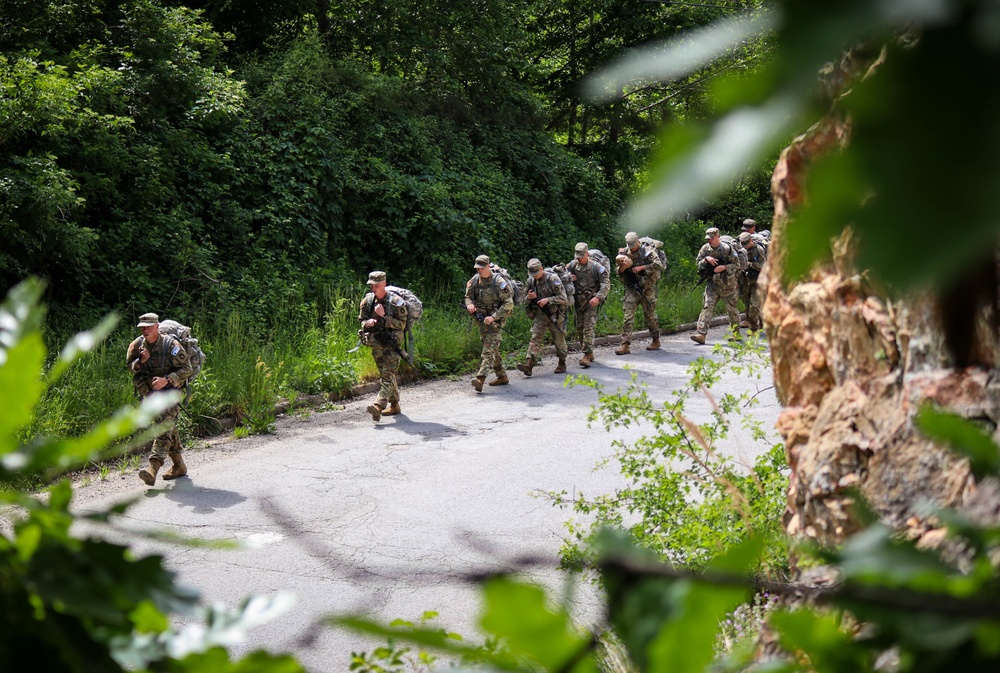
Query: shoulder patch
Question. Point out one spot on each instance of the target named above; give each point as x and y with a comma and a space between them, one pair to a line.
397, 300
502, 283
600, 269
176, 349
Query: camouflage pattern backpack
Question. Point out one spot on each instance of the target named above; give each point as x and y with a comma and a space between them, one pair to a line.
566, 278
657, 246
414, 307
519, 292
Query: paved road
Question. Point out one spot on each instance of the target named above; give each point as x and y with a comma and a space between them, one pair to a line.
387, 519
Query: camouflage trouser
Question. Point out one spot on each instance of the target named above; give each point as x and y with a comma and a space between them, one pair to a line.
648, 301
387, 360
490, 358
586, 320
713, 293
170, 440
540, 323
751, 299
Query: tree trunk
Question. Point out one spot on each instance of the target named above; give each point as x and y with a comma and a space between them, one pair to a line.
851, 368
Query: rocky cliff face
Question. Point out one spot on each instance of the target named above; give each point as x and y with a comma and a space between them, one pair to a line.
851, 368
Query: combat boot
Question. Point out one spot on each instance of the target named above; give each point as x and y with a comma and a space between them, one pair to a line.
526, 367
148, 474
590, 357
501, 380
654, 345
477, 383
745, 323
375, 410
584, 361
698, 338
623, 349
392, 410
178, 468
561, 367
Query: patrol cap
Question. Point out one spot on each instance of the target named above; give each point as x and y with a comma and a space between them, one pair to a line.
580, 250
148, 320
631, 239
749, 224
711, 233
482, 262
534, 265
745, 238
376, 277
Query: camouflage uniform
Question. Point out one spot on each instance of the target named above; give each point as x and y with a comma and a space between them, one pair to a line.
749, 292
646, 279
167, 358
551, 317
592, 280
721, 286
381, 338
490, 296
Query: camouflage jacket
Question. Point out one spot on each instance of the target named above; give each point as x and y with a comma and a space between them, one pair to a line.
590, 280
490, 296
549, 286
726, 256
394, 320
645, 256
167, 358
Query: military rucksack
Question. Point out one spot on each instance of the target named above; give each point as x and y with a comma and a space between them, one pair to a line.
414, 307
518, 286
196, 356
565, 277
738, 250
657, 247
600, 258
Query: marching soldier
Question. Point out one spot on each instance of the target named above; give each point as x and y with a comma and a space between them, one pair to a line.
718, 256
547, 306
159, 362
383, 318
592, 281
489, 299
639, 267
749, 292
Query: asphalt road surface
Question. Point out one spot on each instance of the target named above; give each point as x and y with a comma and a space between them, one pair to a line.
390, 519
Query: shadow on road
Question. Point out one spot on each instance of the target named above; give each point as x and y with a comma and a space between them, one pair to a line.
200, 499
425, 430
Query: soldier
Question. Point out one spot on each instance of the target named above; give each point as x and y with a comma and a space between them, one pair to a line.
547, 306
383, 318
490, 299
761, 242
639, 267
749, 292
159, 362
721, 258
592, 281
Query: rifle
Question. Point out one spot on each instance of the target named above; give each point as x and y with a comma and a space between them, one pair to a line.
386, 338
481, 317
705, 273
545, 312
632, 281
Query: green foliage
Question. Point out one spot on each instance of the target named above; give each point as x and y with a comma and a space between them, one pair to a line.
74, 603
687, 499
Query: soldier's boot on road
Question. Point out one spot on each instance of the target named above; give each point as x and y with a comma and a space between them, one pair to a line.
623, 349
526, 367
745, 323
585, 360
501, 380
178, 468
148, 474
590, 357
375, 410
654, 345
561, 367
698, 338
477, 383
392, 410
